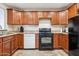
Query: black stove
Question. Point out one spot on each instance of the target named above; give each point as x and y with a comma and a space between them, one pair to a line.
45, 39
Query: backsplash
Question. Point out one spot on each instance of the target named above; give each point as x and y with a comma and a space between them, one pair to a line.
26, 27
55, 28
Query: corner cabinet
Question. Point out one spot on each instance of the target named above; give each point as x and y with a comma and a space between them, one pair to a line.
72, 11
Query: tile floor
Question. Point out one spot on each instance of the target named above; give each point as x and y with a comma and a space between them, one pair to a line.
39, 53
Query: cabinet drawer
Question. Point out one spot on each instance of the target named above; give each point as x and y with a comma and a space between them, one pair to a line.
7, 38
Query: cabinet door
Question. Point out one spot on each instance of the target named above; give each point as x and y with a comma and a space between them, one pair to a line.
28, 18
21, 41
72, 11
6, 48
35, 19
0, 46
10, 16
55, 20
65, 42
12, 45
23, 18
78, 6
13, 17
56, 40
45, 14
40, 14
16, 41
36, 40
63, 17
16, 17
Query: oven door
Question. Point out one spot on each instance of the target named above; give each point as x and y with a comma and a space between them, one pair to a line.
46, 41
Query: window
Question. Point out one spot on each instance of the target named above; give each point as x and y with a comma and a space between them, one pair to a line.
2, 18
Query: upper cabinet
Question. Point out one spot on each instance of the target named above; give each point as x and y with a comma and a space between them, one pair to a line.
13, 17
31, 18
54, 18
72, 11
22, 17
43, 14
9, 16
63, 17
35, 18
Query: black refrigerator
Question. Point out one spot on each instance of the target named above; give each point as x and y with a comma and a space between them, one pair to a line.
73, 28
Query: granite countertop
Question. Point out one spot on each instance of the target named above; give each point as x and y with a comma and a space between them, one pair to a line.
11, 33
27, 32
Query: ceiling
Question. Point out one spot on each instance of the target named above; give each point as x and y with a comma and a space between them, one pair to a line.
39, 6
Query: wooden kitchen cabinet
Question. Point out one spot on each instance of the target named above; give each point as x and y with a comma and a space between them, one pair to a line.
6, 46
54, 18
56, 40
23, 18
63, 17
16, 41
10, 16
13, 43
13, 17
35, 19
28, 18
17, 18
78, 6
0, 46
37, 40
40, 14
31, 18
21, 41
72, 11
43, 14
64, 42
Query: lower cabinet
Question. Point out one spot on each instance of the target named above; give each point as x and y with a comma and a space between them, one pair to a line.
13, 44
0, 46
37, 40
6, 46
61, 41
64, 42
9, 44
56, 40
65, 38
21, 41
16, 41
